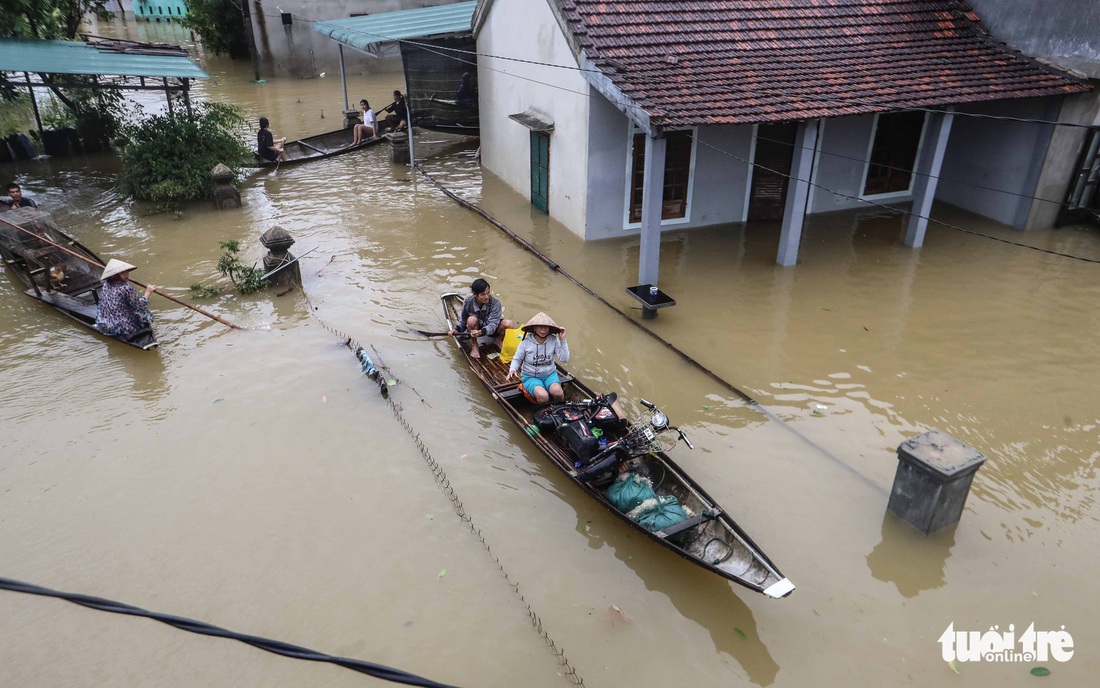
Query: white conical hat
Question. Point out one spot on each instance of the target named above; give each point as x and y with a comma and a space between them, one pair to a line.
541, 319
115, 266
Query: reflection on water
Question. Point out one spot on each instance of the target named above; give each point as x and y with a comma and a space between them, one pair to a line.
909, 559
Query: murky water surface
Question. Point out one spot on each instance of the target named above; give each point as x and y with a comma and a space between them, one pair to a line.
255, 480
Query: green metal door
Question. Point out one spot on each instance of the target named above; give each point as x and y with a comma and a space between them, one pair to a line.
540, 170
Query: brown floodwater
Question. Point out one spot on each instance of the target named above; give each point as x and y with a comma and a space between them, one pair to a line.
255, 479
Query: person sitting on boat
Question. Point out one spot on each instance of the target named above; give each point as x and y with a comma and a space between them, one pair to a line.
366, 130
121, 312
267, 146
534, 360
466, 93
481, 316
16, 199
399, 120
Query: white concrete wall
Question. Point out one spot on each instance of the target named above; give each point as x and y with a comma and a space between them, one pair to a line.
993, 157
719, 179
841, 140
526, 29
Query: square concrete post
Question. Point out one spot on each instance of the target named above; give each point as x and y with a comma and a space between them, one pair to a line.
927, 175
933, 480
798, 191
653, 201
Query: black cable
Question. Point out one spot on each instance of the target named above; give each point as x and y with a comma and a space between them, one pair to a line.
274, 646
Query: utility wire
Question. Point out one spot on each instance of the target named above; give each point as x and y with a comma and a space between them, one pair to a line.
274, 646
442, 50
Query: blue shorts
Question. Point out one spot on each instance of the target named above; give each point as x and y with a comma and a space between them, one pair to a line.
530, 383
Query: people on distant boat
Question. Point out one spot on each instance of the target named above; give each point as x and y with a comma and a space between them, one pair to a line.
481, 316
466, 93
366, 130
267, 146
16, 199
121, 312
534, 364
399, 120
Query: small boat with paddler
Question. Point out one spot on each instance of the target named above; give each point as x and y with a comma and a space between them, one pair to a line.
56, 269
623, 466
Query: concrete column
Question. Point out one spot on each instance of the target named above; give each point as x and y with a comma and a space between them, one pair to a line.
798, 190
653, 194
927, 175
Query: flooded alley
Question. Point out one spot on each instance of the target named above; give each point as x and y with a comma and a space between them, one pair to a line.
254, 479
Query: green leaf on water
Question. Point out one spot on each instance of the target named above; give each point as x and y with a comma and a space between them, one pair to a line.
706, 408
442, 573
1040, 671
740, 634
429, 517
219, 400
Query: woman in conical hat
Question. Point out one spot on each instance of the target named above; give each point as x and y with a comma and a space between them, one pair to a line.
120, 311
534, 359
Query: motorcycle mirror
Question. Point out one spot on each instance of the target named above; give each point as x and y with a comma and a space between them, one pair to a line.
659, 420
648, 405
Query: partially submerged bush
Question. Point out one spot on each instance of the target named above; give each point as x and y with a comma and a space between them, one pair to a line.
167, 158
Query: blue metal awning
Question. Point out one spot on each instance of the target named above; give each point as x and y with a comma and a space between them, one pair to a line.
365, 33
76, 57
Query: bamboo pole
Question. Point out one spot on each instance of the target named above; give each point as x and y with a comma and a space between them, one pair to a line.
100, 265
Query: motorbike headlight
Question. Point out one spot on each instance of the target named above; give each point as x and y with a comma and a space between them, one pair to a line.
659, 421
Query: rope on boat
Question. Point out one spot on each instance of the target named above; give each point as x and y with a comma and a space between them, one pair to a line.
268, 645
448, 490
750, 401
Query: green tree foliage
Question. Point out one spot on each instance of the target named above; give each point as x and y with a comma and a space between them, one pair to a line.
219, 24
168, 159
48, 19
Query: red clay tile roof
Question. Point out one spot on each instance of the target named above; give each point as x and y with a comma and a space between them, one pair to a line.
695, 62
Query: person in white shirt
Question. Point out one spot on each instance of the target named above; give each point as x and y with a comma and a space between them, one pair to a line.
365, 131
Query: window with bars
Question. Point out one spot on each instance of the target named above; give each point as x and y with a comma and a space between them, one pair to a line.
678, 158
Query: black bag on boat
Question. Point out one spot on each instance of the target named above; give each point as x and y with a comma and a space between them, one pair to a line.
572, 427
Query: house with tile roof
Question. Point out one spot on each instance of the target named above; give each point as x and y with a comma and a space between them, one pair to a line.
621, 117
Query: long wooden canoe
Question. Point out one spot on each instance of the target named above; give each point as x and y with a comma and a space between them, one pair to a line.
710, 538
55, 268
320, 146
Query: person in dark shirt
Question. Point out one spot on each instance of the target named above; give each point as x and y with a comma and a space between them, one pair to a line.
267, 146
399, 120
466, 93
16, 199
481, 316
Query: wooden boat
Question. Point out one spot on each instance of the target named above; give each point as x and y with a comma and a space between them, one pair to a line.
55, 268
321, 146
709, 537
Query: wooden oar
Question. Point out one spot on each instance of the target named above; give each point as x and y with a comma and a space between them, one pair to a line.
100, 265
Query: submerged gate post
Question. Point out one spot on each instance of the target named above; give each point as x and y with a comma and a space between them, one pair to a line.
278, 242
933, 480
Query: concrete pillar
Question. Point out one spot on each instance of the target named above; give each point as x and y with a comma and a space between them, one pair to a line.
399, 148
278, 242
933, 480
798, 189
927, 175
653, 195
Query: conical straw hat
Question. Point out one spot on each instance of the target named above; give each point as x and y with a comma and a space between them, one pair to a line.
541, 319
115, 266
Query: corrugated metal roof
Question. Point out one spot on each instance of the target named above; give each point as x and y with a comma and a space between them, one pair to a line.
363, 32
699, 62
76, 57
